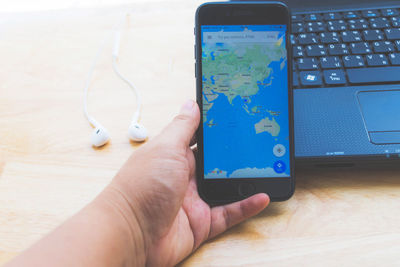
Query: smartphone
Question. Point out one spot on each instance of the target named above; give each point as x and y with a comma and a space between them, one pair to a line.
244, 91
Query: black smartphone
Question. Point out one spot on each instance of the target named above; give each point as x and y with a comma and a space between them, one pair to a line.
244, 91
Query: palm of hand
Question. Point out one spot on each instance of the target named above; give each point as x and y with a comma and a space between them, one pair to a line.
163, 195
195, 221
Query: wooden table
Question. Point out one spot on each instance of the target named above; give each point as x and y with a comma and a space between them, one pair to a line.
48, 170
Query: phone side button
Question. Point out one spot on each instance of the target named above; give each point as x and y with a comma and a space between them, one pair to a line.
246, 189
195, 70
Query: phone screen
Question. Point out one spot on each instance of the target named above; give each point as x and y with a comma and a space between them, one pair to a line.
245, 101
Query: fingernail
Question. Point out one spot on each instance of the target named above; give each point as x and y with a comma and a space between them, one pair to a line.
187, 108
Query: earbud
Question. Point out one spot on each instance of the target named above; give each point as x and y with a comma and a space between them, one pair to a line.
100, 136
137, 132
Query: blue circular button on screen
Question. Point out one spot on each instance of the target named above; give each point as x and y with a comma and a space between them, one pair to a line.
279, 166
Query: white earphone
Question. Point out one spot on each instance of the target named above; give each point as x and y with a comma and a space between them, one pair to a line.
136, 131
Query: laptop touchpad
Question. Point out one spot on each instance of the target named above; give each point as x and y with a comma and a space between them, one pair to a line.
381, 113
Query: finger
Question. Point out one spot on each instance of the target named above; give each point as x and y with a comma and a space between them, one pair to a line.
224, 217
181, 130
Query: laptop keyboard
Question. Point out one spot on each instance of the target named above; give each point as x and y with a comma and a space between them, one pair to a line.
346, 48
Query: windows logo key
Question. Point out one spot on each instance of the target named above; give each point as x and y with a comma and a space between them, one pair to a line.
311, 78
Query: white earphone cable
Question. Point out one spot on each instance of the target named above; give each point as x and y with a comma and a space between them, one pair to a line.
136, 115
91, 120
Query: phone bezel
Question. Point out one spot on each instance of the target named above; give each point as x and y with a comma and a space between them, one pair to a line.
219, 191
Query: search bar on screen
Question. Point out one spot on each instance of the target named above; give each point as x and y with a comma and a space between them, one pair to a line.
240, 37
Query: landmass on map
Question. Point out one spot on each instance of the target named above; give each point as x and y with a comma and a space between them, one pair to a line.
256, 172
238, 70
274, 113
245, 172
211, 123
257, 110
216, 173
267, 125
206, 107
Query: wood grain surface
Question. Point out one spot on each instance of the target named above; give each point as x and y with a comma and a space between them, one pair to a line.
48, 170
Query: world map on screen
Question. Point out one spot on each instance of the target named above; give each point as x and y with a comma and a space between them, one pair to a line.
245, 101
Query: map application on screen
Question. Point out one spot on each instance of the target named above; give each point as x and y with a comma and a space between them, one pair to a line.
245, 101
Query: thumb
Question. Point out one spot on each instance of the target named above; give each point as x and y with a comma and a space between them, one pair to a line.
180, 131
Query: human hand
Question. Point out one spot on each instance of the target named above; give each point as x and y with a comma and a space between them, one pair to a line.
156, 191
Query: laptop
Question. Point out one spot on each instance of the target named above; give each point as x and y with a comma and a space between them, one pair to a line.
346, 81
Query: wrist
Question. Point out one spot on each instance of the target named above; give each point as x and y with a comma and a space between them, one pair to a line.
123, 216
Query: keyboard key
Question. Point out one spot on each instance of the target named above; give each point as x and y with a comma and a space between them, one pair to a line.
373, 35
295, 79
307, 63
373, 75
316, 50
330, 62
360, 48
315, 26
329, 37
297, 18
395, 21
377, 60
337, 25
298, 27
334, 77
312, 17
358, 24
333, 40
370, 13
310, 78
394, 59
351, 14
353, 61
379, 23
383, 47
338, 49
351, 37
389, 12
392, 34
332, 16
298, 51
308, 38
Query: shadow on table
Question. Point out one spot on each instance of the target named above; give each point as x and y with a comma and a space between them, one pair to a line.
323, 185
353, 178
326, 182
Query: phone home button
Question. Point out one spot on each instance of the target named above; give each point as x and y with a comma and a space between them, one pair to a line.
246, 189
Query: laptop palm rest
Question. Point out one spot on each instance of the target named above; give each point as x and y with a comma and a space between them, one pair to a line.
381, 114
